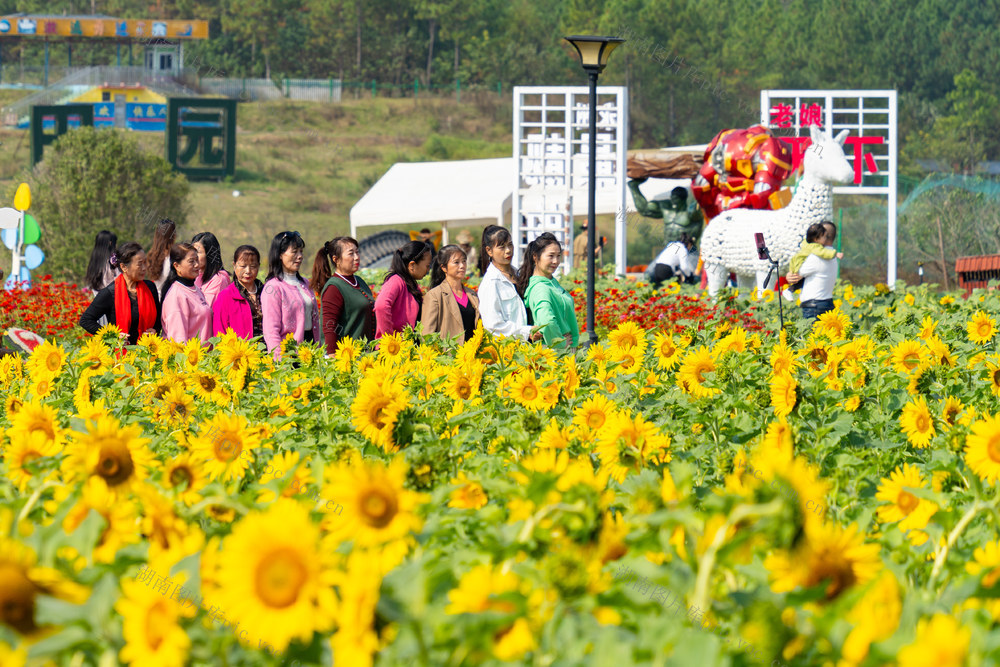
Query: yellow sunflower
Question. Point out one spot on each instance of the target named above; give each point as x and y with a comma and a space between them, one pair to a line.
279, 575
113, 453
628, 335
668, 352
225, 446
833, 324
34, 434
469, 495
981, 328
463, 382
527, 391
355, 641
986, 559
22, 581
46, 359
691, 375
875, 617
951, 407
982, 448
554, 436
735, 341
590, 417
783, 396
480, 590
119, 517
837, 557
377, 507
912, 512
348, 350
150, 625
917, 423
376, 408
907, 355
178, 406
993, 377
186, 477
626, 443
571, 378
941, 642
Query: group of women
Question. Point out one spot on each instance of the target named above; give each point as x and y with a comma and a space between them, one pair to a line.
182, 291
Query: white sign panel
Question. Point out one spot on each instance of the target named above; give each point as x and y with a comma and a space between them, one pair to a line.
551, 150
869, 115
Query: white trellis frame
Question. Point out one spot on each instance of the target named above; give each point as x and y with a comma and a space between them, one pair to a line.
869, 115
551, 135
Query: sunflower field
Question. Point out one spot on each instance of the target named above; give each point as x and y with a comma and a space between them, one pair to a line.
682, 496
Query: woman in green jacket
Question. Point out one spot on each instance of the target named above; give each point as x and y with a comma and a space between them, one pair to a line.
551, 306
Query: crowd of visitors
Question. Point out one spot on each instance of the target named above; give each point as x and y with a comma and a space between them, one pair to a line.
183, 291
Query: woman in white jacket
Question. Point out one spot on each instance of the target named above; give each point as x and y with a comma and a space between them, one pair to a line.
500, 305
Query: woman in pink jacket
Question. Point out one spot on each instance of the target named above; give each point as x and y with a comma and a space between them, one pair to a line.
238, 306
186, 313
288, 303
397, 305
213, 278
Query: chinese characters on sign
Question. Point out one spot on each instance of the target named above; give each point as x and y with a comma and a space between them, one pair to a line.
801, 115
62, 116
551, 150
201, 136
870, 118
14, 26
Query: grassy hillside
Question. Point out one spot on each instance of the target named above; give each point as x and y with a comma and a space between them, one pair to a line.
302, 165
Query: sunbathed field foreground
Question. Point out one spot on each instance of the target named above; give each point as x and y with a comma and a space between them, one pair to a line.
679, 495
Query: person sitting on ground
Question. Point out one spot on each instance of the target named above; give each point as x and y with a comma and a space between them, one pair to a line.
811, 246
679, 258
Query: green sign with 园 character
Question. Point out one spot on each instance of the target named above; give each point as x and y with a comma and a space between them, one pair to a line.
61, 115
201, 137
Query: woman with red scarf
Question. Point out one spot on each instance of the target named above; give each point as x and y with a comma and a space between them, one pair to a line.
130, 302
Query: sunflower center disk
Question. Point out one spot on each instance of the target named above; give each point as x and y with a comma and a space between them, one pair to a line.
17, 599
378, 508
907, 502
115, 464
280, 578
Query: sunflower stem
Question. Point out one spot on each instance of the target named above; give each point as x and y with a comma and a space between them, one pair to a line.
31, 502
952, 538
707, 562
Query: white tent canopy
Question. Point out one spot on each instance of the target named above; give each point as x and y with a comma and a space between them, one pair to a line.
460, 191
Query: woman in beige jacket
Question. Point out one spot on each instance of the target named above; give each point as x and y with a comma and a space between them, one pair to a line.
449, 308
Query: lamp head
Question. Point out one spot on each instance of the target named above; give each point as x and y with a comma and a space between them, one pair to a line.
594, 51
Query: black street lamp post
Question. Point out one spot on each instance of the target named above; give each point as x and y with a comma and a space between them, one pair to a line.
594, 52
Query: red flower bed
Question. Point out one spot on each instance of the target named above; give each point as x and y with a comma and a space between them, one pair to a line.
660, 311
51, 310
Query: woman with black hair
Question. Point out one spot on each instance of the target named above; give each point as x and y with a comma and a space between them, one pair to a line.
348, 305
129, 302
237, 307
288, 304
398, 303
500, 304
551, 305
100, 271
213, 278
449, 309
186, 313
158, 262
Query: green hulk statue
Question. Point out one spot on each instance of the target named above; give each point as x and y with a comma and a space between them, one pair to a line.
678, 218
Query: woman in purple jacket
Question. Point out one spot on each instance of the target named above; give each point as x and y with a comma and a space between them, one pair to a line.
397, 305
288, 303
238, 306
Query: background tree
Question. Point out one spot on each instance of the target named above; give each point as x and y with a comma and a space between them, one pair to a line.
95, 179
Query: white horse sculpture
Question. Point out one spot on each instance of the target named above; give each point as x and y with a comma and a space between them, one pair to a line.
727, 244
